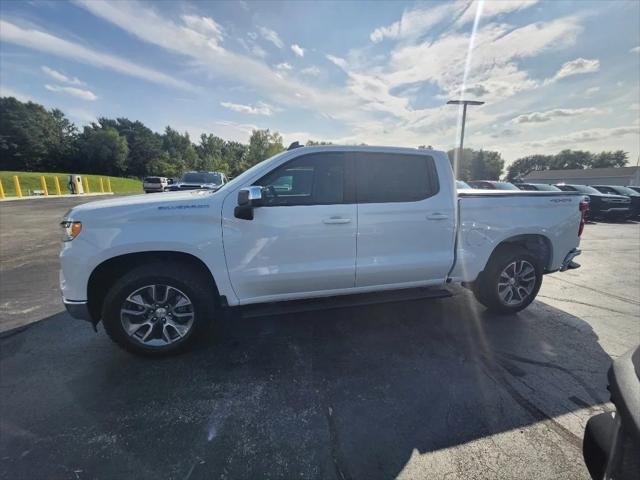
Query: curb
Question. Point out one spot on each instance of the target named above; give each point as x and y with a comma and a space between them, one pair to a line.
38, 197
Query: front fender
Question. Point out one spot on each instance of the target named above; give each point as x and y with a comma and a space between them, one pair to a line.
196, 235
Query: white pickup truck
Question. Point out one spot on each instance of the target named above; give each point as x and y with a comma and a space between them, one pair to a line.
308, 222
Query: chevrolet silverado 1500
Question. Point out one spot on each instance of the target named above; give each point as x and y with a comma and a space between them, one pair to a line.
308, 222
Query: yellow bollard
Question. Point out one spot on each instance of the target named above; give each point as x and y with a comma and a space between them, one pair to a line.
43, 184
86, 185
109, 184
57, 184
16, 184
76, 185
101, 185
1, 190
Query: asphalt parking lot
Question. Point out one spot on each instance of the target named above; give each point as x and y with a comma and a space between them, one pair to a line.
414, 389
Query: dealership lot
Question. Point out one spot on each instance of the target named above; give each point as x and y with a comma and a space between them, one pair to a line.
416, 389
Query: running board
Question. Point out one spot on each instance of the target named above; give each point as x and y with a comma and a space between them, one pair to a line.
341, 301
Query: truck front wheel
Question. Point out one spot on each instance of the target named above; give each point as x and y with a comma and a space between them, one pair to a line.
158, 309
511, 280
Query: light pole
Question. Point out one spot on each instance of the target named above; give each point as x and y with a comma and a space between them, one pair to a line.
464, 104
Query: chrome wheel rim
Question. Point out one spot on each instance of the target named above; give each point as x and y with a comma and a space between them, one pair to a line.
157, 315
516, 283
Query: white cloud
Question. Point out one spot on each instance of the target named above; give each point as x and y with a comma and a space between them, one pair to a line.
284, 66
589, 135
144, 23
258, 51
298, 50
419, 21
578, 66
205, 26
635, 49
45, 42
74, 92
492, 9
260, 108
413, 23
311, 71
271, 36
493, 62
507, 132
10, 92
591, 91
253, 48
546, 116
340, 62
61, 77
477, 90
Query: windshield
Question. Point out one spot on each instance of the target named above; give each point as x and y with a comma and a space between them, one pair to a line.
586, 189
546, 188
240, 179
153, 180
627, 191
197, 177
505, 186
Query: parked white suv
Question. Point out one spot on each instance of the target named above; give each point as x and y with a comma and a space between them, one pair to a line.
155, 184
309, 222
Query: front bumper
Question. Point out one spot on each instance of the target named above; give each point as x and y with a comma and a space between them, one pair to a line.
78, 309
614, 211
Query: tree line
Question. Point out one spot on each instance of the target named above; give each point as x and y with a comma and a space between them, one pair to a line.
565, 160
33, 138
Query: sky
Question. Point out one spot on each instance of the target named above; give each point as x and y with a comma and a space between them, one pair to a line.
553, 75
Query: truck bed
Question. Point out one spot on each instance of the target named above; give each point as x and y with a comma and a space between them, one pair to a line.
489, 217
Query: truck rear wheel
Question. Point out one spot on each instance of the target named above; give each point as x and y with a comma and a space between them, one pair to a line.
511, 280
158, 309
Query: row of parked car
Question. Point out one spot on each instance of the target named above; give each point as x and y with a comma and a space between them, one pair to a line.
610, 202
190, 181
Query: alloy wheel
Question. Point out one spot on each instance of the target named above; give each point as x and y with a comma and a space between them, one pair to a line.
157, 315
516, 283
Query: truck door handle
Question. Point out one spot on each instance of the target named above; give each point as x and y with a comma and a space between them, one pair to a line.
336, 220
437, 216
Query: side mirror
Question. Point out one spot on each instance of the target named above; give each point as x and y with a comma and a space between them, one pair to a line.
248, 199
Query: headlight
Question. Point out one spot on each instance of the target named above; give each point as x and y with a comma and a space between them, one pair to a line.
71, 230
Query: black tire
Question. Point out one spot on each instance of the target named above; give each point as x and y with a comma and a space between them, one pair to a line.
191, 281
485, 287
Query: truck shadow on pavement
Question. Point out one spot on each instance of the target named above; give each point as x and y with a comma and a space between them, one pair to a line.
345, 393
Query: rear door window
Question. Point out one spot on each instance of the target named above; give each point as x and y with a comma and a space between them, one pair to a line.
384, 178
